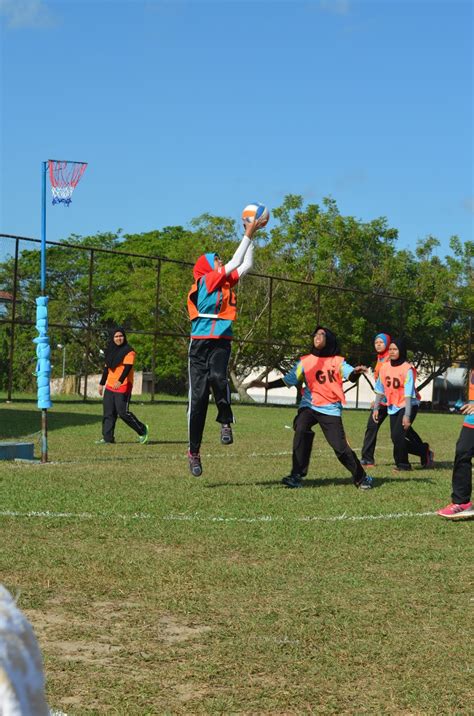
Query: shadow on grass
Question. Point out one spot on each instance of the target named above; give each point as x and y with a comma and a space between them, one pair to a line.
322, 482
21, 423
153, 442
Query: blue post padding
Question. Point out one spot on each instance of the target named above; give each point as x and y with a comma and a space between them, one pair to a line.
43, 353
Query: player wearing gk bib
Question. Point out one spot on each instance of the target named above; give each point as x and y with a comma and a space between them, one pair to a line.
396, 382
381, 344
322, 371
461, 506
212, 310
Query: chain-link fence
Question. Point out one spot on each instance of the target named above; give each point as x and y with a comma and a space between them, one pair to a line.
92, 289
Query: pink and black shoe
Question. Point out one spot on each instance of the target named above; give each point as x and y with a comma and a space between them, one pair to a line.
457, 512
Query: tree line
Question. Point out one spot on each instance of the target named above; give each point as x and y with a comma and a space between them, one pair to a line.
311, 262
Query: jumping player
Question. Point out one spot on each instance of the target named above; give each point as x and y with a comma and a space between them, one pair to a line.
323, 371
461, 506
381, 344
212, 309
396, 382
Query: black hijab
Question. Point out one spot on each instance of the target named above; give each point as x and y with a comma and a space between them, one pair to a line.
402, 347
332, 346
115, 354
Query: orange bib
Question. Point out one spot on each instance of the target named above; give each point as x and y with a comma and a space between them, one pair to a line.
393, 381
225, 300
323, 378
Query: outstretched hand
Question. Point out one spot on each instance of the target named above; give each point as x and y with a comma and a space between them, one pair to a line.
250, 229
360, 369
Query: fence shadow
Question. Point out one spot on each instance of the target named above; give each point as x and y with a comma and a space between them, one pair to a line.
21, 423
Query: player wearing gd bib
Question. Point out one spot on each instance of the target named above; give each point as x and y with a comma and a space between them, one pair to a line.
212, 309
323, 371
396, 382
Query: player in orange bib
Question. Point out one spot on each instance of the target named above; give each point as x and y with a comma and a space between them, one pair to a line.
396, 382
381, 344
461, 507
118, 381
212, 308
322, 371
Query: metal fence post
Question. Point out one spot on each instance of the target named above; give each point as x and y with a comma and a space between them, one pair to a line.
89, 312
155, 330
469, 348
269, 333
12, 334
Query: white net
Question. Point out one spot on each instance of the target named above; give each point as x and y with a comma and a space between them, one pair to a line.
61, 193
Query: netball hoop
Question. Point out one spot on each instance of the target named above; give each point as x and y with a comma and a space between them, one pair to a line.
64, 177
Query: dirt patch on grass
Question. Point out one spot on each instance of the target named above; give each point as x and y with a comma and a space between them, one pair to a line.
98, 634
172, 631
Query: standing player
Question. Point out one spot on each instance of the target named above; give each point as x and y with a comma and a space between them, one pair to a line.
118, 380
381, 344
212, 309
323, 371
396, 382
461, 506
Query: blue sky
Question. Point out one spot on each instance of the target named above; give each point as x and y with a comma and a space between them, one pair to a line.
186, 107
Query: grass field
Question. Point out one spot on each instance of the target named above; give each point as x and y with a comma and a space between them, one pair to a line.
152, 592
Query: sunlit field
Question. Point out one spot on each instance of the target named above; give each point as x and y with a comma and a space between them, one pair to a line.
153, 592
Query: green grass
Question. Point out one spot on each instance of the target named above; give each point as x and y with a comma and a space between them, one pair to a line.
226, 596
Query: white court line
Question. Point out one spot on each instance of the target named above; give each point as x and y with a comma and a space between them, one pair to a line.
215, 518
74, 515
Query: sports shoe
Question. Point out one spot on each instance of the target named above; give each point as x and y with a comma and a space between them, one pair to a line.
293, 481
195, 466
457, 512
104, 442
428, 462
143, 438
366, 483
226, 434
367, 463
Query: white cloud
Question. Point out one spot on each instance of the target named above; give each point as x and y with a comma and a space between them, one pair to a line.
26, 13
338, 7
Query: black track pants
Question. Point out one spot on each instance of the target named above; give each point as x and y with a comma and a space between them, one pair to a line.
208, 364
462, 470
116, 405
370, 438
334, 433
406, 442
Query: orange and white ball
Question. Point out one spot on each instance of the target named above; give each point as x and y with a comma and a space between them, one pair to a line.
254, 212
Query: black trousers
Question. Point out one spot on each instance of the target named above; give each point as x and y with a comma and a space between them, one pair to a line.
208, 365
333, 431
406, 442
462, 470
370, 437
116, 405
